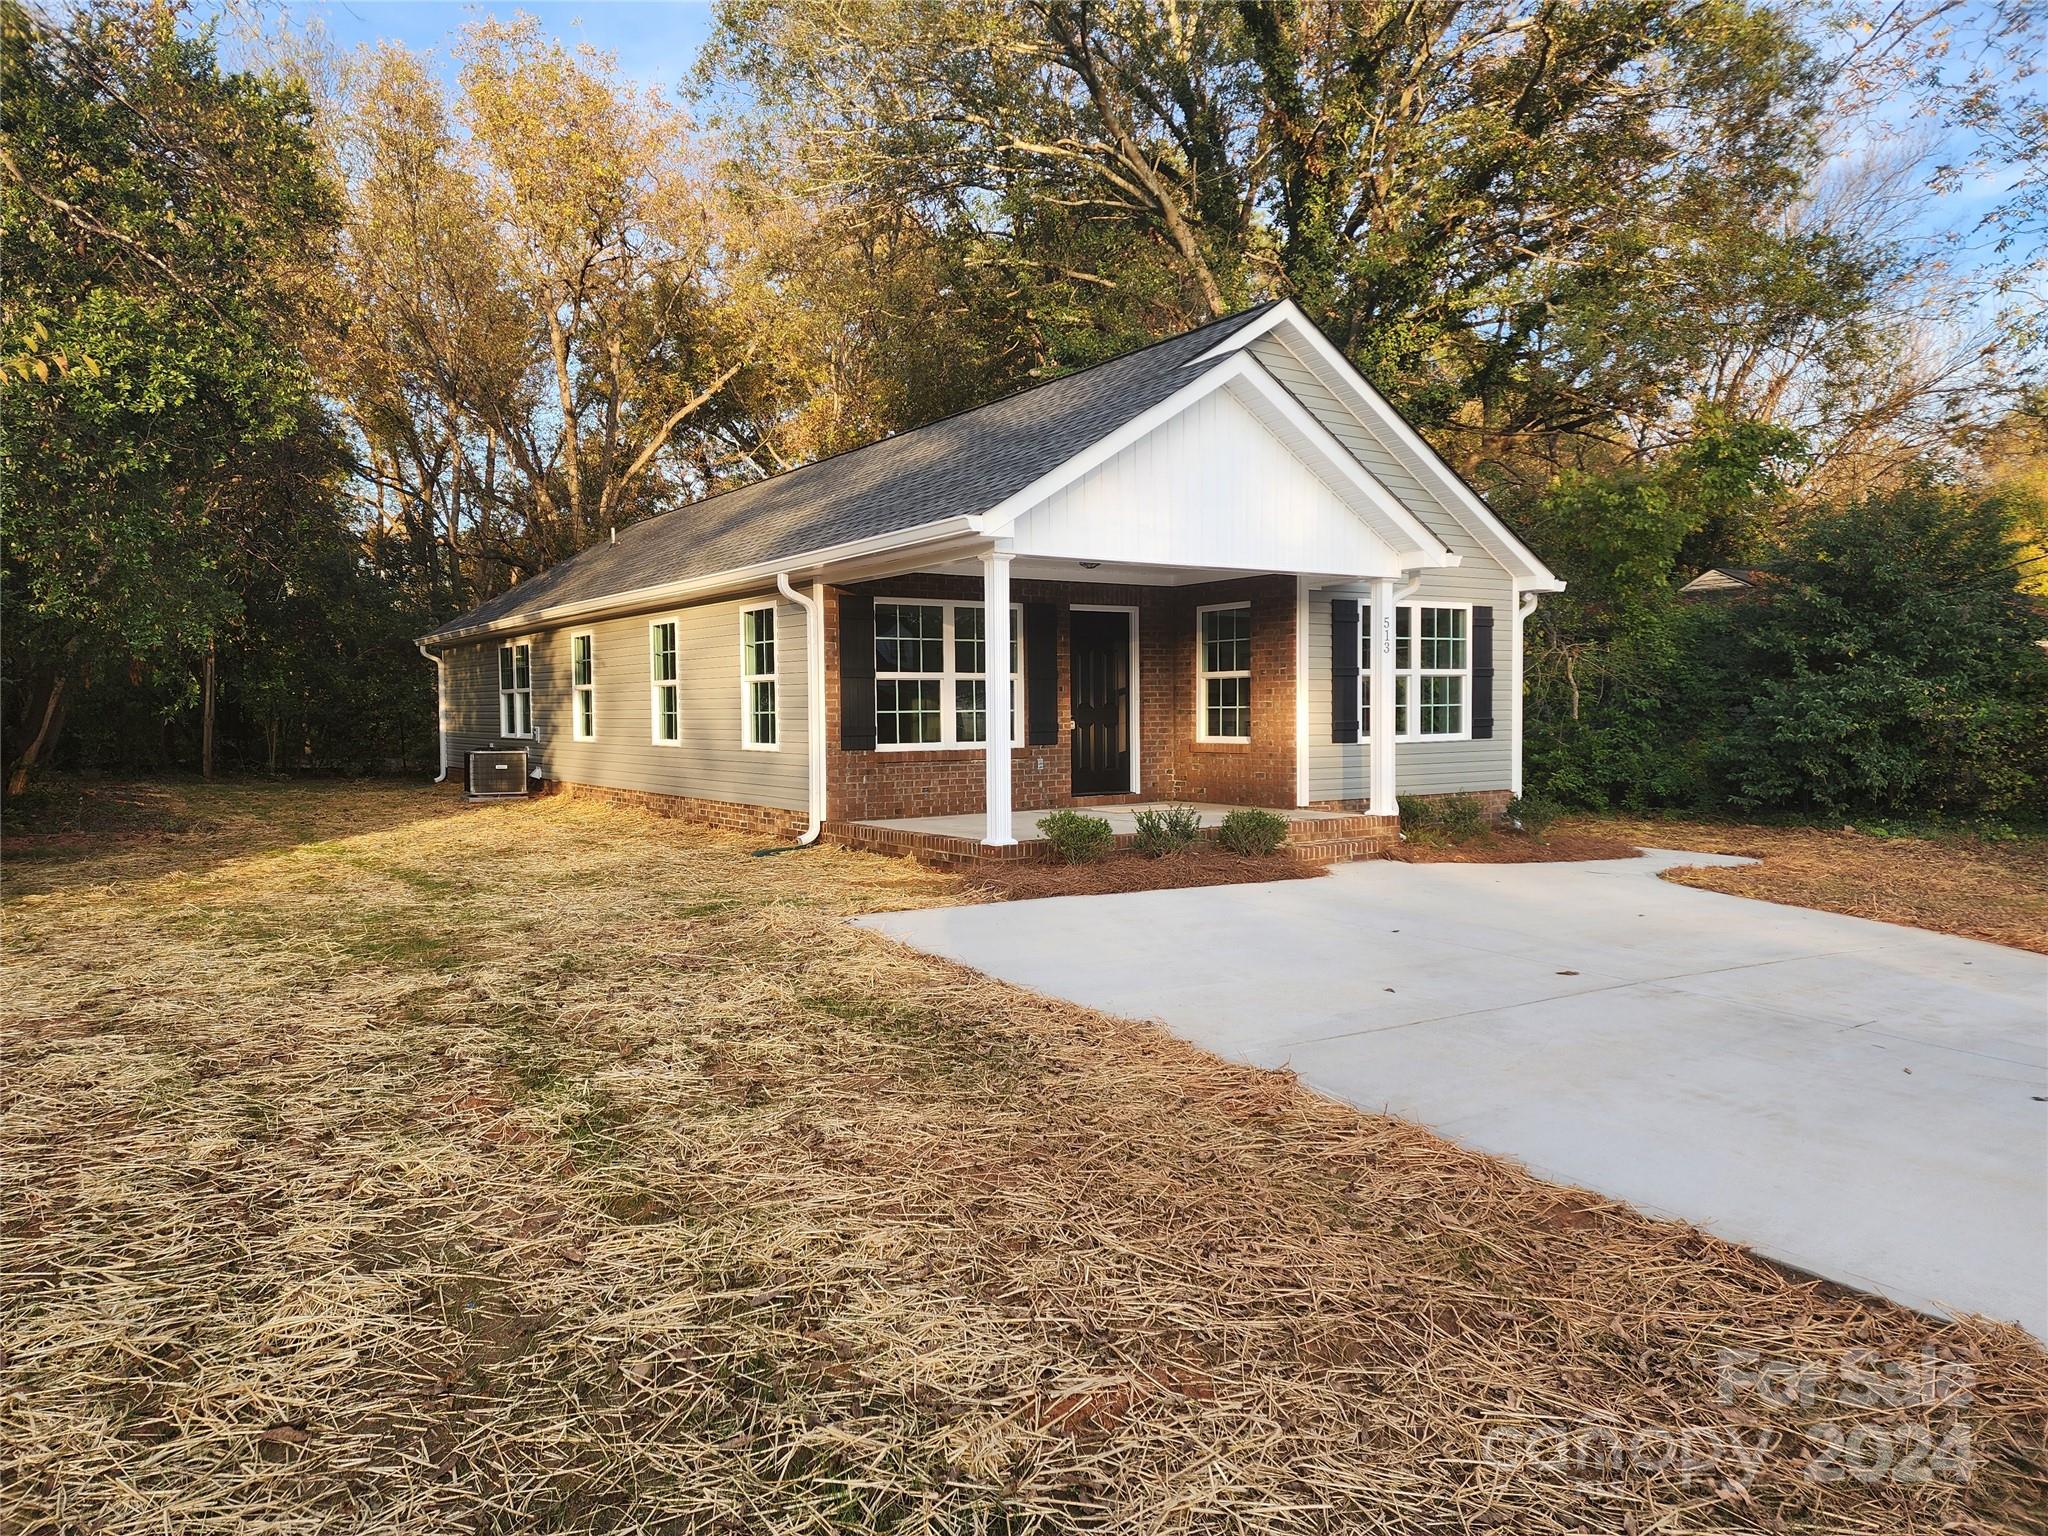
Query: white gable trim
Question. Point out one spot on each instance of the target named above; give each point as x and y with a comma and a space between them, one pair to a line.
1296, 427
1530, 573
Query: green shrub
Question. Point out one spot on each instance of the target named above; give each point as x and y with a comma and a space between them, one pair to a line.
1533, 813
1174, 829
1253, 832
1417, 814
1077, 838
1462, 817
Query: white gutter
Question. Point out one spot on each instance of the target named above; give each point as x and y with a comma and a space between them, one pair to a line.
814, 697
440, 706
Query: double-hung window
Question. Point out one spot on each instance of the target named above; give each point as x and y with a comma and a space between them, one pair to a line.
583, 685
757, 678
931, 674
1224, 643
1432, 670
665, 678
515, 689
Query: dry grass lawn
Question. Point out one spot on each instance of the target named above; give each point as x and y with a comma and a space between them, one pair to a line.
1962, 885
377, 1164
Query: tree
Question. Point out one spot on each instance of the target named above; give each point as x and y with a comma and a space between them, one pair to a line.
156, 216
1491, 205
545, 328
1892, 665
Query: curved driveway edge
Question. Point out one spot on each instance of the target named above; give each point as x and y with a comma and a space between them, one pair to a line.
1863, 1101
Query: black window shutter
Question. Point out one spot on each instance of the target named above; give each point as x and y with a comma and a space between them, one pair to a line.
856, 673
1343, 670
1041, 674
1482, 673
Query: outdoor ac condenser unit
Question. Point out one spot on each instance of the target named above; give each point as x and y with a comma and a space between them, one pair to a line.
496, 775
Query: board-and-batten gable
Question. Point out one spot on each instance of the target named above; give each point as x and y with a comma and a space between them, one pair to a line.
709, 762
1218, 483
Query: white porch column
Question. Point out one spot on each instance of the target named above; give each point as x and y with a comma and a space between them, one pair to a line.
997, 666
1382, 699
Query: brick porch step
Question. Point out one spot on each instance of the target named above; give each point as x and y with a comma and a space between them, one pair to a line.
1339, 850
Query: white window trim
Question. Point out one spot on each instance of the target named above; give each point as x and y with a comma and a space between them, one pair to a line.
949, 722
1416, 670
654, 686
748, 679
1202, 676
507, 696
576, 730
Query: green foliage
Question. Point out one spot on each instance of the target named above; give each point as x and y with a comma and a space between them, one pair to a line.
1617, 663
1886, 666
1077, 838
1890, 667
174, 490
1534, 813
1442, 818
1461, 817
1251, 831
1172, 829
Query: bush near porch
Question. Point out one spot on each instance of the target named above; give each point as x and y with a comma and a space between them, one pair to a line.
553, 1165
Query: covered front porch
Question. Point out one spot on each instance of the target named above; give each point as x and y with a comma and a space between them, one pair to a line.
1147, 608
1316, 836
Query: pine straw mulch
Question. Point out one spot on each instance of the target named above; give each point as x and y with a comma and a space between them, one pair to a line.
1504, 847
1125, 871
1977, 889
376, 1164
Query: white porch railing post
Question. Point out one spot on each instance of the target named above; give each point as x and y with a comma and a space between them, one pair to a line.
997, 665
1381, 642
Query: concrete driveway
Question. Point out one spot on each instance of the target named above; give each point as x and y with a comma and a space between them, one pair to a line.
1863, 1101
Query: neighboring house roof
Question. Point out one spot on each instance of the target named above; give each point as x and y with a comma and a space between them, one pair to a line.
957, 466
1724, 581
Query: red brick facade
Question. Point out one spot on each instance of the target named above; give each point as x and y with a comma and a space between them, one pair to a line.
1172, 764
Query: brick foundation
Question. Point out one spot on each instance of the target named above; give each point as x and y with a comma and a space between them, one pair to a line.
1172, 764
725, 815
1492, 801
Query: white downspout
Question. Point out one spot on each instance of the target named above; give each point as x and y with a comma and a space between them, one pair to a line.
814, 698
440, 705
1524, 606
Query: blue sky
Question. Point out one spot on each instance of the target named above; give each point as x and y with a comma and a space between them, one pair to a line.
656, 41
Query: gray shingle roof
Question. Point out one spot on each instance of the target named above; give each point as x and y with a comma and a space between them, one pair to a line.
958, 466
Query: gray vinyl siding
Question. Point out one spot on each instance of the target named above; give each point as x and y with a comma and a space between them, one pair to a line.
708, 763
1339, 772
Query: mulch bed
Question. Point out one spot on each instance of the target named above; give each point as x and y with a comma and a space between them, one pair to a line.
1134, 872
1969, 886
1514, 848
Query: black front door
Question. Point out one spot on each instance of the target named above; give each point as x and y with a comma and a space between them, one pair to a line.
1101, 645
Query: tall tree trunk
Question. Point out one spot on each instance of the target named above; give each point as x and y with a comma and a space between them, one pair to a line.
49, 721
206, 710
273, 737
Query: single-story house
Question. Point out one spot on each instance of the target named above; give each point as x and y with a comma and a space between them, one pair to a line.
1232, 574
